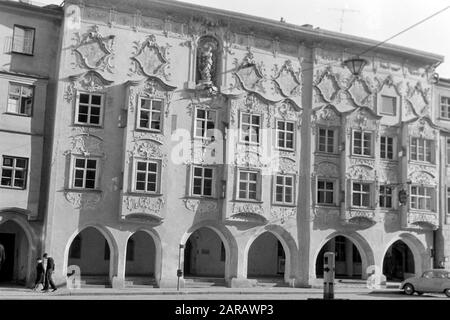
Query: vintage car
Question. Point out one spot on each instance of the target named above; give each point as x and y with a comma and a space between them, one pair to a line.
431, 281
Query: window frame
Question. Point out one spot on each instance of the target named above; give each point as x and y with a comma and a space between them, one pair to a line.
213, 181
21, 84
158, 176
431, 146
362, 193
385, 195
14, 37
205, 137
447, 105
274, 187
371, 147
294, 132
447, 153
101, 106
251, 114
334, 191
382, 104
13, 174
394, 145
258, 185
432, 197
161, 112
73, 169
335, 139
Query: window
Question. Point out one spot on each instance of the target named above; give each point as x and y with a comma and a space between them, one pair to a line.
445, 107
325, 192
250, 126
130, 250
146, 176
421, 149
202, 181
326, 140
421, 198
361, 194
23, 40
388, 105
205, 123
362, 143
14, 172
385, 197
75, 248
386, 147
149, 115
284, 189
85, 173
285, 134
89, 109
248, 185
20, 99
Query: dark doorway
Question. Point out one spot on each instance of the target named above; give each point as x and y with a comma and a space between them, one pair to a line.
348, 262
8, 241
187, 258
398, 263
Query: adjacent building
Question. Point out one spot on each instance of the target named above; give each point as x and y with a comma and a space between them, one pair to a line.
29, 38
235, 148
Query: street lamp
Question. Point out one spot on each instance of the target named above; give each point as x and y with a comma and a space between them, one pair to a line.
355, 65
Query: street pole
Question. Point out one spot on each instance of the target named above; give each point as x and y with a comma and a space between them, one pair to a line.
179, 272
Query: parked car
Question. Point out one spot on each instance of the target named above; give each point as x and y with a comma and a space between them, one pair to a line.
431, 281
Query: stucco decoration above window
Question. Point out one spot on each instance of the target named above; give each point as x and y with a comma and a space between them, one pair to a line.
86, 145
363, 118
150, 59
285, 83
423, 128
93, 51
90, 81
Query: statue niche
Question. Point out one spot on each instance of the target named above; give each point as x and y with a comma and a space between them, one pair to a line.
207, 62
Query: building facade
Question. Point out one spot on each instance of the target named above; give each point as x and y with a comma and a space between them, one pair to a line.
29, 36
237, 149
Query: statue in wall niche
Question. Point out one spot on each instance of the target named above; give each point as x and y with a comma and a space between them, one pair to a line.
207, 60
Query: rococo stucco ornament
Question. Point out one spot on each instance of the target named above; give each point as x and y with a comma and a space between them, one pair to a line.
86, 145
202, 207
94, 51
83, 200
150, 59
90, 81
282, 213
143, 204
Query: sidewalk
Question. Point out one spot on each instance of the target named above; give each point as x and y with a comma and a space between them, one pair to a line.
11, 292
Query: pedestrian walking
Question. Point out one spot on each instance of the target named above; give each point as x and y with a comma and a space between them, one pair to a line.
40, 274
49, 265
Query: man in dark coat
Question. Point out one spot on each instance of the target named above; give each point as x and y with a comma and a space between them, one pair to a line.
2, 255
40, 274
49, 265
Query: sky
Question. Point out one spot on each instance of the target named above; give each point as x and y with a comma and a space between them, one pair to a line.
373, 19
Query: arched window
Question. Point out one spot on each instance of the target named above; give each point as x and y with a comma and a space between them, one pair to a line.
208, 61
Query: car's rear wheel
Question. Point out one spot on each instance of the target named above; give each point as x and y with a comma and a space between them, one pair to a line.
447, 292
409, 289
